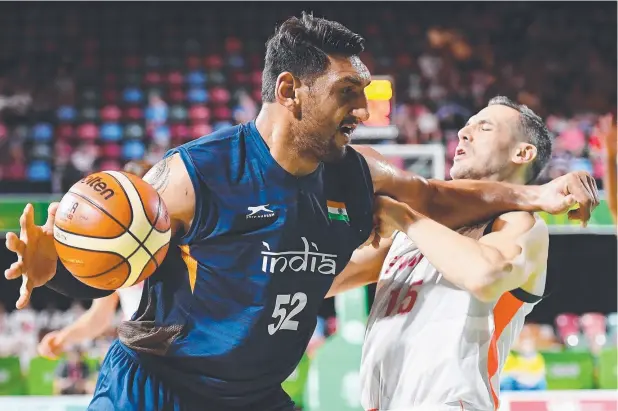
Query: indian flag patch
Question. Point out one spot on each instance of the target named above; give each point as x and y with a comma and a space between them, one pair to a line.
337, 211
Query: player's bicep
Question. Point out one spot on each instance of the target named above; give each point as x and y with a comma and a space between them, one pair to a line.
363, 269
172, 181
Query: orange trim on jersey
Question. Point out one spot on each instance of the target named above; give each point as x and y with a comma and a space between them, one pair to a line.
191, 264
504, 311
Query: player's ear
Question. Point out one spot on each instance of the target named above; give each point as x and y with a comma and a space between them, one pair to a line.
286, 90
524, 153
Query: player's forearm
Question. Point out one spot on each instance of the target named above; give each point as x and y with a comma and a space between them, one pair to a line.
465, 262
460, 203
92, 323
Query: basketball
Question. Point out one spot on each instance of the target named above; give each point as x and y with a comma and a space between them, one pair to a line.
112, 230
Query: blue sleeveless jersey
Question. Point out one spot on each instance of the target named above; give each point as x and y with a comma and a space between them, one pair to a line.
229, 313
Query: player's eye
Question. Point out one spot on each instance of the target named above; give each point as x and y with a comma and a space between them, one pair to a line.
347, 91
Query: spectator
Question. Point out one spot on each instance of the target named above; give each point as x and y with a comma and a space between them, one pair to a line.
73, 375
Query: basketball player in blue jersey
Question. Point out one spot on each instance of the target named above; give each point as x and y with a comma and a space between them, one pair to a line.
264, 216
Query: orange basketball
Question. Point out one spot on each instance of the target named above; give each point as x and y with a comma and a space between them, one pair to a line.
112, 230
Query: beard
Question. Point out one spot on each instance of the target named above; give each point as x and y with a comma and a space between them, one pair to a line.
315, 139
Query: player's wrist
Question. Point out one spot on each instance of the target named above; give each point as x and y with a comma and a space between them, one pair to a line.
529, 198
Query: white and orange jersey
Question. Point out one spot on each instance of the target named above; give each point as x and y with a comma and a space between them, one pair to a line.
130, 298
430, 345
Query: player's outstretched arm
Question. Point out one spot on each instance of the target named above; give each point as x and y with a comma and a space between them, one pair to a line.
463, 202
37, 259
89, 325
363, 269
511, 256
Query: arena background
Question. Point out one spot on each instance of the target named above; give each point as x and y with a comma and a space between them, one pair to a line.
77, 93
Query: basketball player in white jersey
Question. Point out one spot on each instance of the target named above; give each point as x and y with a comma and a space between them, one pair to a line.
449, 304
101, 313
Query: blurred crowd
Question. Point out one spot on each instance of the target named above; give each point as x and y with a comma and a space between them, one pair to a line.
77, 99
89, 88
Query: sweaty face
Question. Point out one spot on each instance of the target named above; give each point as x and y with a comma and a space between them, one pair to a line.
332, 106
486, 144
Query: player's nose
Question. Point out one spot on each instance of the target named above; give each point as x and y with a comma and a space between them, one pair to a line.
362, 113
465, 134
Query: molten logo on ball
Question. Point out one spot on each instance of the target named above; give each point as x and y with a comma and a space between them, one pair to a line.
99, 186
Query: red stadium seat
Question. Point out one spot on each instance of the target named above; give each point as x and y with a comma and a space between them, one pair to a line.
256, 78
113, 151
176, 95
65, 131
222, 113
110, 113
199, 114
133, 113
200, 130
233, 45
153, 78
88, 131
219, 96
180, 132
175, 78
213, 62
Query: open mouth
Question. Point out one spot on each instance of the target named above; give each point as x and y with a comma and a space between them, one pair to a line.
347, 129
459, 152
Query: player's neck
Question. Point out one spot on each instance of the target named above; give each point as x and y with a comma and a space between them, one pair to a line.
279, 139
514, 177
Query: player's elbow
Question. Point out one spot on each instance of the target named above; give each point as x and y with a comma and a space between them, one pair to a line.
486, 284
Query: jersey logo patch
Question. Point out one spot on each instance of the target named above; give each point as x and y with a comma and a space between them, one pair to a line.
260, 211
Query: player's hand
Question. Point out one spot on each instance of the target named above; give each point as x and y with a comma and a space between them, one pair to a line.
390, 216
52, 345
573, 189
36, 253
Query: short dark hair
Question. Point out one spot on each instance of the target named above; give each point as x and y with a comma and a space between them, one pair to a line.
535, 131
301, 46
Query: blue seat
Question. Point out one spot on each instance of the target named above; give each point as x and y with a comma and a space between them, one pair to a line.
111, 132
196, 78
236, 61
66, 113
197, 95
42, 132
133, 150
39, 171
132, 95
